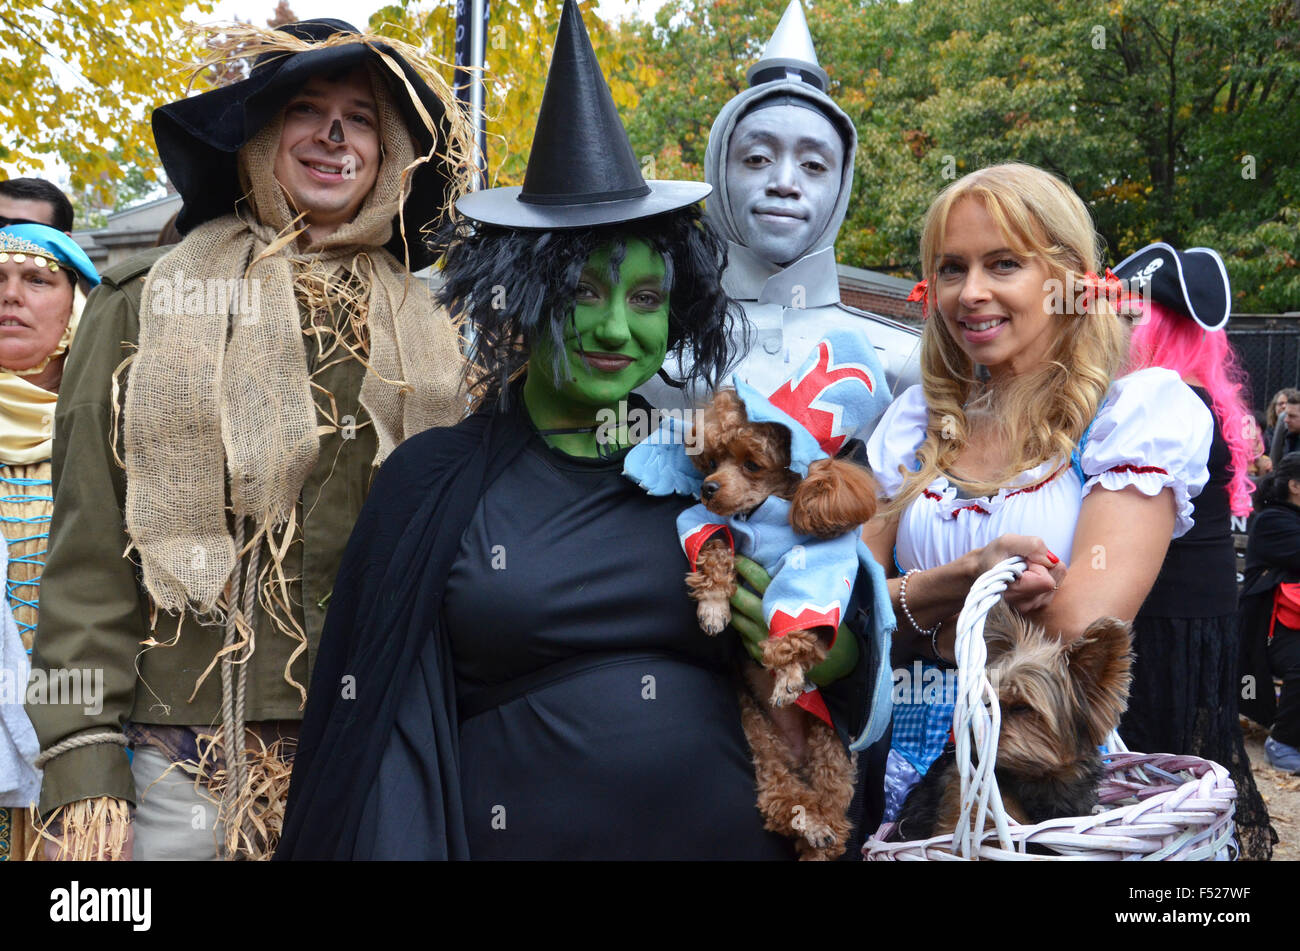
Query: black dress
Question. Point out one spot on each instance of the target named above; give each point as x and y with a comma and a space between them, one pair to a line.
597, 720
1184, 693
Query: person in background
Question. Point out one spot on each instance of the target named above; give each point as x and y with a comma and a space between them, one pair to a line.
1261, 464
40, 306
1270, 614
35, 201
1184, 693
1274, 413
1286, 437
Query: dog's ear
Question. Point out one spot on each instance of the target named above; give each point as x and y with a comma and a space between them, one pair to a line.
834, 497
1100, 662
1004, 628
727, 412
714, 422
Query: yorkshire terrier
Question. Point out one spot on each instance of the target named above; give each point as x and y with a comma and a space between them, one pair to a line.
1059, 702
744, 463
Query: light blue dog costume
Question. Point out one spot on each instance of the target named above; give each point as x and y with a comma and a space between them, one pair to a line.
837, 393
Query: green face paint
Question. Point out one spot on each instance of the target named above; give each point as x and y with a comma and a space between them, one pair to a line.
616, 340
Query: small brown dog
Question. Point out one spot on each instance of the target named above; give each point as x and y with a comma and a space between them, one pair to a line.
743, 464
805, 777
1059, 703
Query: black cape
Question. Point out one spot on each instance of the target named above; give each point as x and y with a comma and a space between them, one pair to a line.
386, 610
385, 607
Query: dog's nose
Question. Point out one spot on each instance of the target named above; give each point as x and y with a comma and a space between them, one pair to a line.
709, 490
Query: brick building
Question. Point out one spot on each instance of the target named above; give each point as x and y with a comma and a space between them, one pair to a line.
879, 293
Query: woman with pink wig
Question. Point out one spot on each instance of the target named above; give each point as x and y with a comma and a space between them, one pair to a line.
1184, 694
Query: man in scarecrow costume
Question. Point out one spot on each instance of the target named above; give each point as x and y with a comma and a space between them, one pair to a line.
284, 350
780, 158
529, 678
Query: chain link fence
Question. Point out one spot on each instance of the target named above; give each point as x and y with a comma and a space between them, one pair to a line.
1269, 350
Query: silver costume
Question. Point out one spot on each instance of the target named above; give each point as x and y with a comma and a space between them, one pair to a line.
789, 307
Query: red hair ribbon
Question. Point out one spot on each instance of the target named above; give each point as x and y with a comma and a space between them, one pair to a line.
1110, 286
921, 292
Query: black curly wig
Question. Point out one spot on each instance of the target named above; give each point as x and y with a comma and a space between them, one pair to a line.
514, 285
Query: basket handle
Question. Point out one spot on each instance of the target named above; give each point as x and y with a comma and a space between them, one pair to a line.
977, 718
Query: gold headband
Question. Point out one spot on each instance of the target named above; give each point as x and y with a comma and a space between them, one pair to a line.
12, 246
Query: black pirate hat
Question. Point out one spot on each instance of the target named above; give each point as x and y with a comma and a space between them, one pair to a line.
1193, 283
199, 137
582, 171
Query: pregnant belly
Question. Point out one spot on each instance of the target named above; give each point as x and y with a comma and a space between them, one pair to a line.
640, 757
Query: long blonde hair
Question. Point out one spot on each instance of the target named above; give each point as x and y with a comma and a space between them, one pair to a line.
1044, 412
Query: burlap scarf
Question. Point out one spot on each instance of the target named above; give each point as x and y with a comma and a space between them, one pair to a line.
220, 382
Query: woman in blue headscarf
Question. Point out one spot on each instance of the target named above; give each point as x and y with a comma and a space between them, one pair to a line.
40, 302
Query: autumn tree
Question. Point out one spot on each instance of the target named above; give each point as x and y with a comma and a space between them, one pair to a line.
696, 55
283, 14
231, 68
134, 185
80, 79
517, 51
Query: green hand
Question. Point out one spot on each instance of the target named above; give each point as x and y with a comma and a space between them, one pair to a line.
747, 607
747, 621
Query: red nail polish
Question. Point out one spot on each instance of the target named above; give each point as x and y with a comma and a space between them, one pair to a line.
1055, 560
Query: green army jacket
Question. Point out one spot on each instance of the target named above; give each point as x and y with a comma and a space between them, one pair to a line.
94, 612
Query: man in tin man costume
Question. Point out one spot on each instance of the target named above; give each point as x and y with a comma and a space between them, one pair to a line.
780, 159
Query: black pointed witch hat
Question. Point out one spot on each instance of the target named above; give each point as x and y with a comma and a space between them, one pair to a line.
582, 171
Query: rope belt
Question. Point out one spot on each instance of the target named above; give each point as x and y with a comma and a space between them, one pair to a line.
234, 686
76, 742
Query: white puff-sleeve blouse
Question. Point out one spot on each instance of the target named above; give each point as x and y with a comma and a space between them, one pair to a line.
1151, 432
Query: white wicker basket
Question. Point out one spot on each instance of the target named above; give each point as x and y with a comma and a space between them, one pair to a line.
1154, 806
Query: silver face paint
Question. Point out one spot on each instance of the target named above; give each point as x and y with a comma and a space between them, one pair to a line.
336, 131
783, 180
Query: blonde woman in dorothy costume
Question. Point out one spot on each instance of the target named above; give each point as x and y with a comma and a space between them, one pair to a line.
39, 308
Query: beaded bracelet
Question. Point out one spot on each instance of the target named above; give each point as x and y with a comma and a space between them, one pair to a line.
932, 632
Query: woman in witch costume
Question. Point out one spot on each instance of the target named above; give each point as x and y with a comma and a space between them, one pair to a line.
556, 698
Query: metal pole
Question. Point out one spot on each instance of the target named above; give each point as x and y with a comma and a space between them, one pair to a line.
471, 45
478, 46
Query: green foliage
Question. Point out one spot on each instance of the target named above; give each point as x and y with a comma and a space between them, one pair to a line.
697, 52
134, 184
1174, 121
